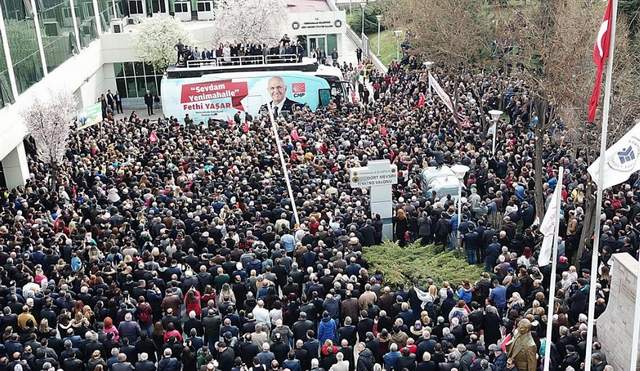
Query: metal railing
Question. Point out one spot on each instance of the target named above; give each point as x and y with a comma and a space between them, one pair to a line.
247, 60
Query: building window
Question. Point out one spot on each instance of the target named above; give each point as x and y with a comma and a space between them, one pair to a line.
135, 7
204, 6
58, 34
133, 79
181, 7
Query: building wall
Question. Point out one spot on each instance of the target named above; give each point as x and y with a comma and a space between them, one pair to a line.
81, 72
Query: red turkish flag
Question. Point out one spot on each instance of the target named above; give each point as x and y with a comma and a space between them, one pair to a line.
600, 55
245, 127
153, 137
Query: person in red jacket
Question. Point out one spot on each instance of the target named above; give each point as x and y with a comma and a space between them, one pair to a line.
172, 333
192, 301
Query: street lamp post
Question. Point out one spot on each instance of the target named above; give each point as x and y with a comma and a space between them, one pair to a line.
459, 171
398, 33
363, 5
379, 18
495, 117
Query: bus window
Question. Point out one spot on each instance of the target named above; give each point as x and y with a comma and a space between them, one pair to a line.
325, 97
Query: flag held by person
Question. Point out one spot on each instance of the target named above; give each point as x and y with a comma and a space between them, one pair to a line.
621, 160
600, 55
548, 227
441, 93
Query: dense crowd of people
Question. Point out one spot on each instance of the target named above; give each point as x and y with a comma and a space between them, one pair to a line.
164, 246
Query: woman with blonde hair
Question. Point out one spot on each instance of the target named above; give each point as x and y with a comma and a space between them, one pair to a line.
87, 312
401, 227
226, 293
43, 328
515, 302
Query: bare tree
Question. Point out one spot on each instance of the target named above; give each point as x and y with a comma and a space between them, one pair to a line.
555, 43
49, 123
447, 31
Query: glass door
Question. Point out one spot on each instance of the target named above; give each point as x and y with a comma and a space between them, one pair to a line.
158, 6
315, 44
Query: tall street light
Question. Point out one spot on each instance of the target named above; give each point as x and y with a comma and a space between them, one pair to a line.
495, 116
459, 171
379, 18
398, 33
363, 5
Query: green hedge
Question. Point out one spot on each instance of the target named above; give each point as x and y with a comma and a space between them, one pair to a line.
415, 263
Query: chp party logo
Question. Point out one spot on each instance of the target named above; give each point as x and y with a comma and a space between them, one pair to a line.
626, 157
298, 89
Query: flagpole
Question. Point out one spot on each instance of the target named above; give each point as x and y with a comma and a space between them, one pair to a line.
603, 148
493, 146
552, 275
285, 171
636, 328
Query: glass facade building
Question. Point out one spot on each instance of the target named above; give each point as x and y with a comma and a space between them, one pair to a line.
60, 37
133, 79
40, 35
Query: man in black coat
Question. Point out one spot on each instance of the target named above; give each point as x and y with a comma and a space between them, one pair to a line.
168, 362
301, 326
148, 101
118, 101
225, 357
72, 363
368, 234
145, 364
146, 345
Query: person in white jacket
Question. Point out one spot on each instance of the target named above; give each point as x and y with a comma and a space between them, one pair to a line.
341, 365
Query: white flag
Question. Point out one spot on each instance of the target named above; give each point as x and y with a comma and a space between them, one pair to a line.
621, 160
548, 226
433, 83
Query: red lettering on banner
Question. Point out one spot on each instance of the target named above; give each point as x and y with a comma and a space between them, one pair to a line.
205, 91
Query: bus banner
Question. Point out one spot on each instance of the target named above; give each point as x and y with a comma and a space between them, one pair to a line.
221, 96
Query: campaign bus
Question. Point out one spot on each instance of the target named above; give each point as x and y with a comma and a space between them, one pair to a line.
212, 89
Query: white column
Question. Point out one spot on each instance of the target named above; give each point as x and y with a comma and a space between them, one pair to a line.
381, 199
96, 11
115, 11
144, 8
15, 166
7, 56
75, 24
166, 7
382, 204
36, 21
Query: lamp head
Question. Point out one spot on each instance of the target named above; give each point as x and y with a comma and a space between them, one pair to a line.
495, 114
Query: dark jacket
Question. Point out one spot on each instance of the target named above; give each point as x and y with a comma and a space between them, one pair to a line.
169, 364
145, 366
148, 99
365, 361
